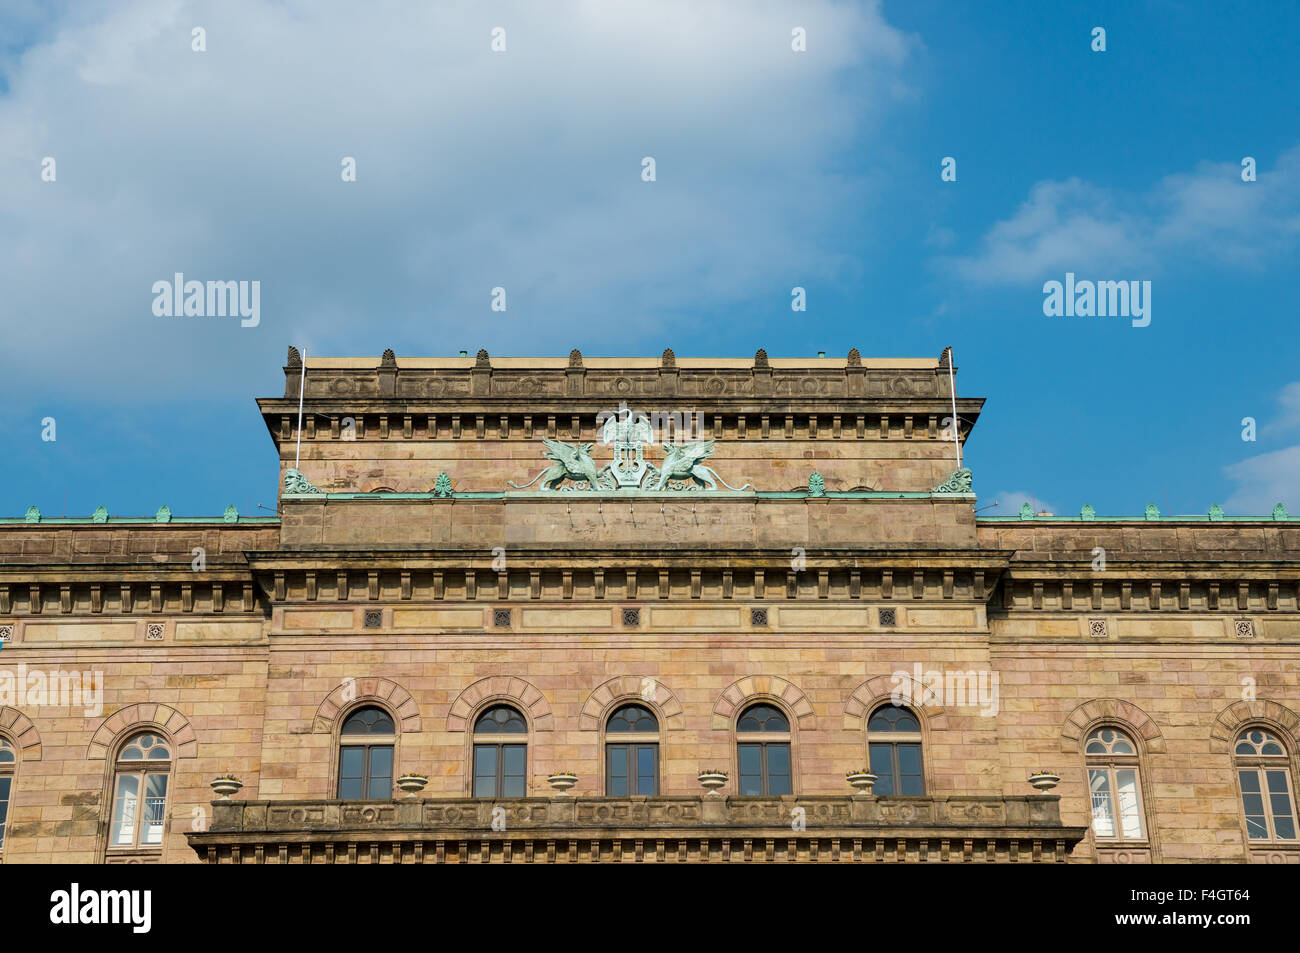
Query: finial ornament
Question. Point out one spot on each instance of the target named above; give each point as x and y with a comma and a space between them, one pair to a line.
164, 514
231, 515
389, 359
816, 485
100, 515
760, 358
295, 359
1216, 512
1279, 512
855, 358
1087, 513
481, 359
33, 515
442, 486
669, 358
1026, 511
575, 358
1152, 513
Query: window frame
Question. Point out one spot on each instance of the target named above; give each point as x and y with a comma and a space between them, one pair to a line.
366, 742
1260, 764
631, 742
9, 772
1111, 762
500, 740
764, 740
895, 740
141, 770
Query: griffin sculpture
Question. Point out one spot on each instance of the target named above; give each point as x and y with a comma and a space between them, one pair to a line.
686, 462
572, 462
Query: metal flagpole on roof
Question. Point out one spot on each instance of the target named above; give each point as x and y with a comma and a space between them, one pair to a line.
302, 386
952, 390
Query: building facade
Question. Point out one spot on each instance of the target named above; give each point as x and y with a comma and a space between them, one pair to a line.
531, 610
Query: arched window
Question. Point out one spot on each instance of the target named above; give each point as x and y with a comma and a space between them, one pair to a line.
366, 755
8, 761
500, 753
1266, 791
763, 751
894, 745
631, 752
1115, 784
143, 768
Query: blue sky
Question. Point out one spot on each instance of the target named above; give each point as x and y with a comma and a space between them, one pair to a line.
522, 169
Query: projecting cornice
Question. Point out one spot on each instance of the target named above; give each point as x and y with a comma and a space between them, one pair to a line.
428, 397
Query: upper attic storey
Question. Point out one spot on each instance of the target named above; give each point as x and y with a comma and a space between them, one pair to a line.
394, 424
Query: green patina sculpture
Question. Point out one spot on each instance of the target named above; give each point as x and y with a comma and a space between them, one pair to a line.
164, 514
296, 483
683, 465
442, 486
33, 515
959, 482
572, 462
1026, 511
686, 462
816, 485
1216, 512
1279, 512
1152, 513
231, 515
1087, 513
100, 515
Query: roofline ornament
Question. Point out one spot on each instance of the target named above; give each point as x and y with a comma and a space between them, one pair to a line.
959, 482
296, 483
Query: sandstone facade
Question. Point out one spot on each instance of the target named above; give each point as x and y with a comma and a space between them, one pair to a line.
434, 605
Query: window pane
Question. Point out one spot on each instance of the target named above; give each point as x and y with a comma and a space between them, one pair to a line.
1279, 802
485, 770
1253, 805
1103, 813
762, 718
882, 766
1284, 826
647, 769
351, 762
500, 719
514, 758
124, 810
893, 718
381, 772
368, 721
616, 768
155, 809
351, 767
5, 783
632, 718
910, 780
778, 770
1130, 811
909, 759
751, 776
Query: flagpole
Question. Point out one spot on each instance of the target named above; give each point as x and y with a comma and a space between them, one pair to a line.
952, 390
302, 386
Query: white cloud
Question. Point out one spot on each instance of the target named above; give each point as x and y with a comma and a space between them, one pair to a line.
1205, 215
1263, 481
475, 169
1010, 501
1274, 477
